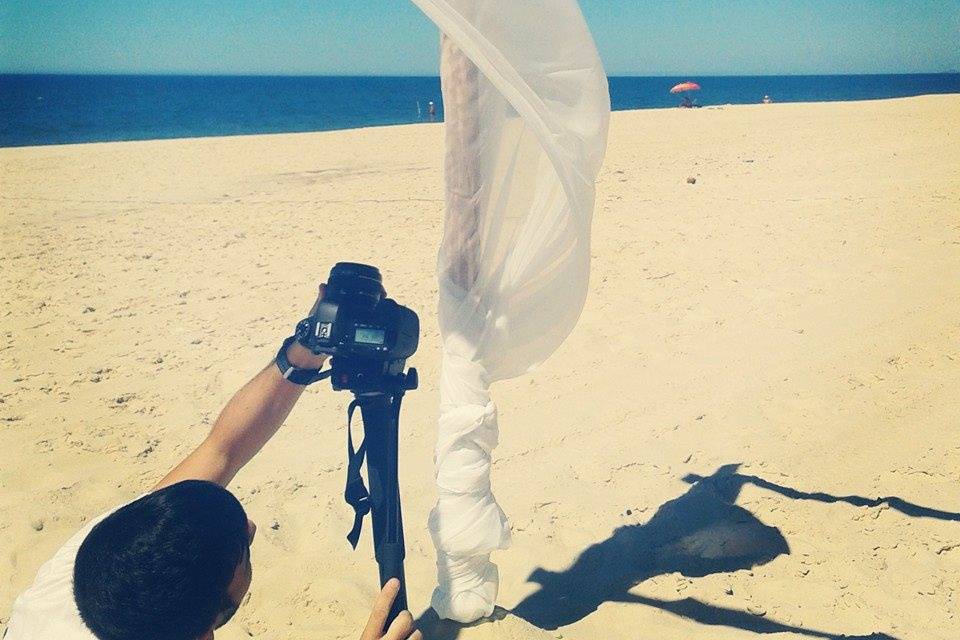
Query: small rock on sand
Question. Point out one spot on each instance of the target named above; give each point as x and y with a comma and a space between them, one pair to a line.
691, 180
37, 524
123, 399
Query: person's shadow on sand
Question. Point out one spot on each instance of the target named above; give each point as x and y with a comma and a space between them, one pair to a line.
700, 533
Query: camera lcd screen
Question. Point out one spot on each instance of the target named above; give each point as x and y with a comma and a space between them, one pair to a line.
369, 336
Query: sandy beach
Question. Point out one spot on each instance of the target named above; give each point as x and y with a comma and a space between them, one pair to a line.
756, 418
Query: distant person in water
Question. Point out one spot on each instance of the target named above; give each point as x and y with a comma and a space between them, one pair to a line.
767, 99
431, 110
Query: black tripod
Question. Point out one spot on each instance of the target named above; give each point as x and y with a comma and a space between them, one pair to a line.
381, 420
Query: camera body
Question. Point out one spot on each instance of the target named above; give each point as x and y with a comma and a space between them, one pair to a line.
368, 335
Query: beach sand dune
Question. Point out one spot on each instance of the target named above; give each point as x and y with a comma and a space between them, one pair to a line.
752, 429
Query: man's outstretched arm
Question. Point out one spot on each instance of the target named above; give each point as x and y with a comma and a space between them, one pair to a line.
252, 416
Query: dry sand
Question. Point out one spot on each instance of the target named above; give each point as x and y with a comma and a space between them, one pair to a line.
795, 312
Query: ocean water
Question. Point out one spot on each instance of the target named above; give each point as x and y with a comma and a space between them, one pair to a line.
58, 109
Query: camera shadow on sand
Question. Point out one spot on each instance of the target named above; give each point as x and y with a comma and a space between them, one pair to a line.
700, 533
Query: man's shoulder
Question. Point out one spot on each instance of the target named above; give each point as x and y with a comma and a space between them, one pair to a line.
47, 608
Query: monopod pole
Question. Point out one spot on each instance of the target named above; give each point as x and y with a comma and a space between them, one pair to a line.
381, 413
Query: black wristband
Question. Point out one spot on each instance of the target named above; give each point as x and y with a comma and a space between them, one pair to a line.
295, 375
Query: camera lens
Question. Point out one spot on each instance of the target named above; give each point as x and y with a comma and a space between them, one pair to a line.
354, 283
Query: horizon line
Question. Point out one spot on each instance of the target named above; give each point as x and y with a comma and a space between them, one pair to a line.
184, 74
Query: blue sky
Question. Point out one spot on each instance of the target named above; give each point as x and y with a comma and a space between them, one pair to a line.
642, 37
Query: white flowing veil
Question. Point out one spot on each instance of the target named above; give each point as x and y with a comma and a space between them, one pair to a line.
526, 111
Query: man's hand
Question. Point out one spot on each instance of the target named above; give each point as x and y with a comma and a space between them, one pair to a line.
402, 627
301, 357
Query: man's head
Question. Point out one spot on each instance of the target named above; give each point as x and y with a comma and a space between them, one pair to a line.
172, 565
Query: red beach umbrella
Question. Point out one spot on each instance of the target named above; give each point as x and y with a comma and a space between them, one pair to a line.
685, 86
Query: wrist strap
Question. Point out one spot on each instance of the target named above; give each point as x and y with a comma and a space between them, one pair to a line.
295, 375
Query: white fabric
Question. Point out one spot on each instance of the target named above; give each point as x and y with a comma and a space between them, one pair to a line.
47, 611
526, 110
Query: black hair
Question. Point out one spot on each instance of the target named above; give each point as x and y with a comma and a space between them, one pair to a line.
159, 568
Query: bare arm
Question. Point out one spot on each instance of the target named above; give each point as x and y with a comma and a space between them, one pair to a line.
252, 416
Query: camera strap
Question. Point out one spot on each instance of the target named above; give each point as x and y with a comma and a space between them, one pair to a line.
355, 493
294, 374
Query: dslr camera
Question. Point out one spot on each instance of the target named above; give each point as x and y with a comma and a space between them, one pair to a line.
368, 335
